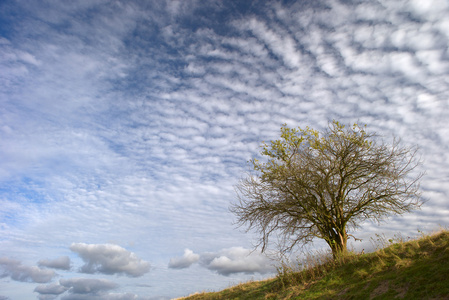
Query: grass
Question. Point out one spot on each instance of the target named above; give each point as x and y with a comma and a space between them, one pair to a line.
414, 269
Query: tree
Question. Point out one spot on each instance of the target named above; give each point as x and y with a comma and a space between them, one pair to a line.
320, 185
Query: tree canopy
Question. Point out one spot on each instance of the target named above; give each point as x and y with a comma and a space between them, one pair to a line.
320, 185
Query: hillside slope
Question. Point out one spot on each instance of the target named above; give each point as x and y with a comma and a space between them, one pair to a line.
417, 269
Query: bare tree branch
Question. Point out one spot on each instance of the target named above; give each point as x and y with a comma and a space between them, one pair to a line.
318, 185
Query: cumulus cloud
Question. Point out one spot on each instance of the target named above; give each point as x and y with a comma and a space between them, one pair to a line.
237, 260
87, 285
226, 261
62, 263
110, 296
47, 297
109, 259
185, 261
82, 288
16, 271
52, 289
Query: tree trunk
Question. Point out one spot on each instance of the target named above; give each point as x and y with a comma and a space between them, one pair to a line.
338, 244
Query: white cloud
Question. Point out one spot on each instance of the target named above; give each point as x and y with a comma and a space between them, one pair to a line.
51, 289
432, 60
16, 271
112, 296
279, 42
83, 288
62, 263
90, 289
236, 260
185, 261
226, 261
87, 285
429, 9
109, 259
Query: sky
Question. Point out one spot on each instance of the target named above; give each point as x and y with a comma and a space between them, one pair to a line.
125, 125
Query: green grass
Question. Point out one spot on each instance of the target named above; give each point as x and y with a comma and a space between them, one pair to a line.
417, 269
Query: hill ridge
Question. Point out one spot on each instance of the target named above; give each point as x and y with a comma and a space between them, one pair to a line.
413, 269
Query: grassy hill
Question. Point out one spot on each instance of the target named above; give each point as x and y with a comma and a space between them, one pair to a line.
417, 269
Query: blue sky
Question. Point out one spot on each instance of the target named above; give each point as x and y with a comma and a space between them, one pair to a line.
124, 126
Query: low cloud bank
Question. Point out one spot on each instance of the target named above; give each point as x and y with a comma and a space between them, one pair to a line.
16, 271
109, 259
84, 285
226, 262
185, 261
61, 263
51, 289
82, 289
98, 258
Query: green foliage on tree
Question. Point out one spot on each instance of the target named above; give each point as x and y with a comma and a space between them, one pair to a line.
322, 185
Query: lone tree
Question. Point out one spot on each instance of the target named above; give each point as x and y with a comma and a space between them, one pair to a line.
319, 185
